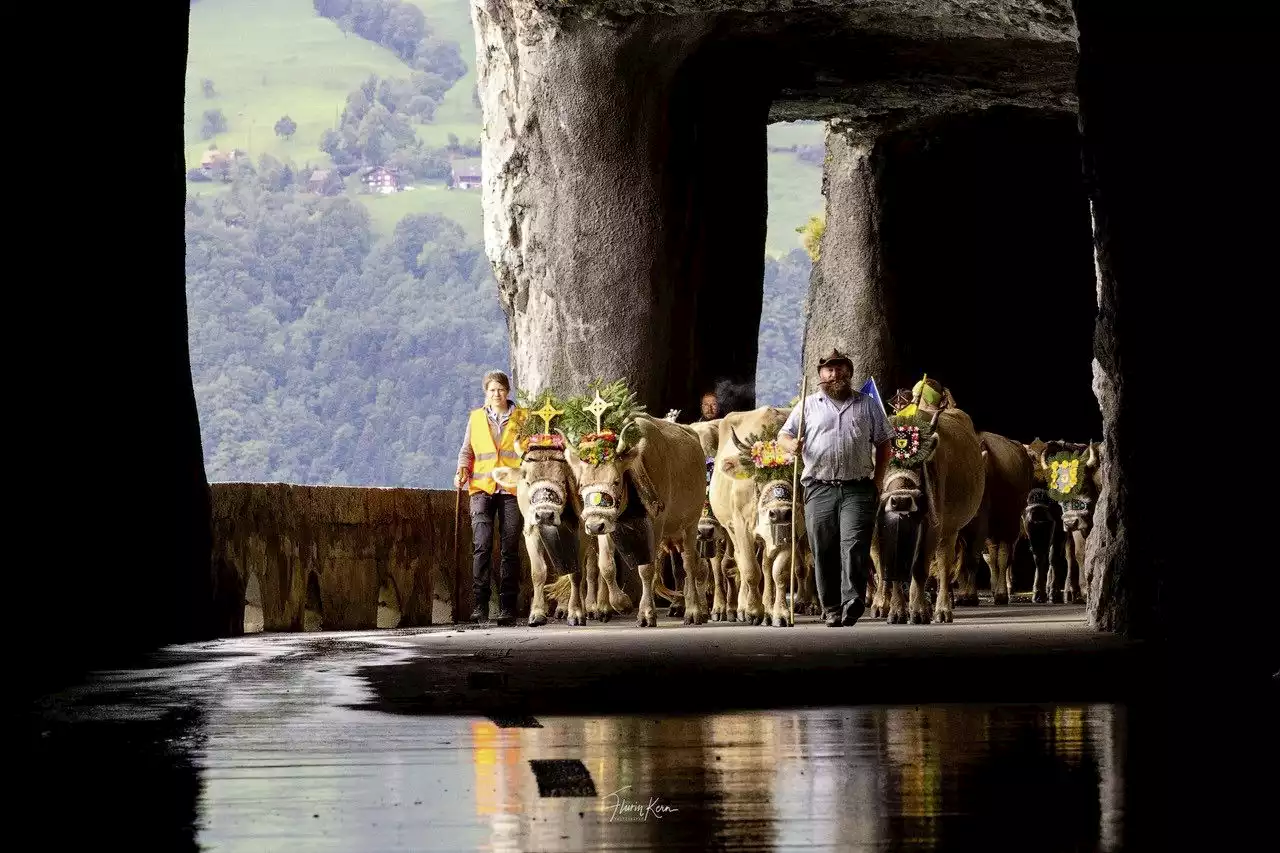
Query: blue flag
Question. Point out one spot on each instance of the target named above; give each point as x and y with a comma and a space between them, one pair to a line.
873, 392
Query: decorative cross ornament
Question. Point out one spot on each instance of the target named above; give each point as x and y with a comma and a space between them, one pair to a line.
547, 412
597, 407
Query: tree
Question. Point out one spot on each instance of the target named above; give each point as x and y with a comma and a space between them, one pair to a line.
286, 127
213, 123
811, 236
207, 85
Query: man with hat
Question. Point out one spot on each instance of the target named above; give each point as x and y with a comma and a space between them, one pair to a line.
845, 448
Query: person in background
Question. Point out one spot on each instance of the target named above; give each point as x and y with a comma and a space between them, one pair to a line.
489, 442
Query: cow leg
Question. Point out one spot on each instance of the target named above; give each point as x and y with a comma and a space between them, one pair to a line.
1071, 589
781, 570
750, 607
695, 597
1040, 554
880, 604
538, 559
648, 618
606, 581
1069, 559
946, 566
676, 608
899, 599
918, 605
577, 614
999, 591
719, 586
729, 570
1086, 574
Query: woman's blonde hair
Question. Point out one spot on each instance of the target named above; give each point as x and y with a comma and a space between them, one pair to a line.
496, 375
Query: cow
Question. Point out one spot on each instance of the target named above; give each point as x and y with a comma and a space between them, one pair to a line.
714, 546
1073, 475
1042, 527
931, 491
757, 507
550, 505
998, 525
646, 495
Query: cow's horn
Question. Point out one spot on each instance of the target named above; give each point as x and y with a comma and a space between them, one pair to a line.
1043, 463
1092, 459
933, 422
738, 442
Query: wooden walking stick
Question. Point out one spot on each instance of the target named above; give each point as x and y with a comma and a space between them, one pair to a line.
458, 615
795, 486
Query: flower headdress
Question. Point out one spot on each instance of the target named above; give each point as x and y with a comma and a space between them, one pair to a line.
1067, 470
912, 439
539, 431
761, 459
597, 422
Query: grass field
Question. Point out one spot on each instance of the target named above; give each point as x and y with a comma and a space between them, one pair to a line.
269, 58
462, 206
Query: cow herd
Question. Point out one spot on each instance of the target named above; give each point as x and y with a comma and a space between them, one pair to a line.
718, 495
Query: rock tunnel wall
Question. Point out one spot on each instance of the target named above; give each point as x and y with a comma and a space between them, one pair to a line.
962, 248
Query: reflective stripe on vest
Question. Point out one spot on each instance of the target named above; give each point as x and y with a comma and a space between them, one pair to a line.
489, 457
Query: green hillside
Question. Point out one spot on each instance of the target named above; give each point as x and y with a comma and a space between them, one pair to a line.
270, 58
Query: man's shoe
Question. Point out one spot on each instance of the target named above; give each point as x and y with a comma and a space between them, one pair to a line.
832, 618
853, 612
480, 614
506, 616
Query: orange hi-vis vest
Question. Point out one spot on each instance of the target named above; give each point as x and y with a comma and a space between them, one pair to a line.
489, 457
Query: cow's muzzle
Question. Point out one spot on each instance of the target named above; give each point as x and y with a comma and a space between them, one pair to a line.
902, 502
1076, 521
598, 525
779, 514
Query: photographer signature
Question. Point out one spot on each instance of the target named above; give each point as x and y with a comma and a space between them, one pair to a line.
636, 809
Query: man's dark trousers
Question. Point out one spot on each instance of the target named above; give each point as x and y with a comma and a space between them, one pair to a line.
840, 517
484, 510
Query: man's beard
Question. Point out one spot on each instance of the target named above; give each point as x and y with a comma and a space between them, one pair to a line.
838, 389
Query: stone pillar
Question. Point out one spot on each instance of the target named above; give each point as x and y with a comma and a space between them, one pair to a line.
847, 306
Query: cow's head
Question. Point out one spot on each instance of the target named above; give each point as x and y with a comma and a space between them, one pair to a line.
599, 466
1069, 472
772, 475
1041, 517
544, 476
906, 509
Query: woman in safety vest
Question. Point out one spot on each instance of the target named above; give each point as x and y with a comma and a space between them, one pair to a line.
490, 441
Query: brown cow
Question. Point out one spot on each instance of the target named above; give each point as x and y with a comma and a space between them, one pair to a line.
648, 495
924, 504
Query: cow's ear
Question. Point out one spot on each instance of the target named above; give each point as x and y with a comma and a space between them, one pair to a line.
729, 465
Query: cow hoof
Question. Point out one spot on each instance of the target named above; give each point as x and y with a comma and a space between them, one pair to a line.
1057, 598
781, 622
942, 616
560, 614
604, 615
650, 621
1071, 597
918, 618
675, 610
717, 616
897, 618
757, 620
768, 621
1039, 598
1001, 600
536, 619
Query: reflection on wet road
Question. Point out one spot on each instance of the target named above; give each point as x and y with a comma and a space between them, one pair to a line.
278, 752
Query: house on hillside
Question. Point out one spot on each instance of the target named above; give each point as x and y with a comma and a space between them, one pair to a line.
379, 179
466, 174
319, 181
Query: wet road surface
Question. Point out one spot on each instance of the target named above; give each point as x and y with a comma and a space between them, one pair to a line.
519, 739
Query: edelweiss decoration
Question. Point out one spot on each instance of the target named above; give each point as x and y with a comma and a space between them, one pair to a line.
908, 440
1064, 475
596, 425
548, 412
764, 459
